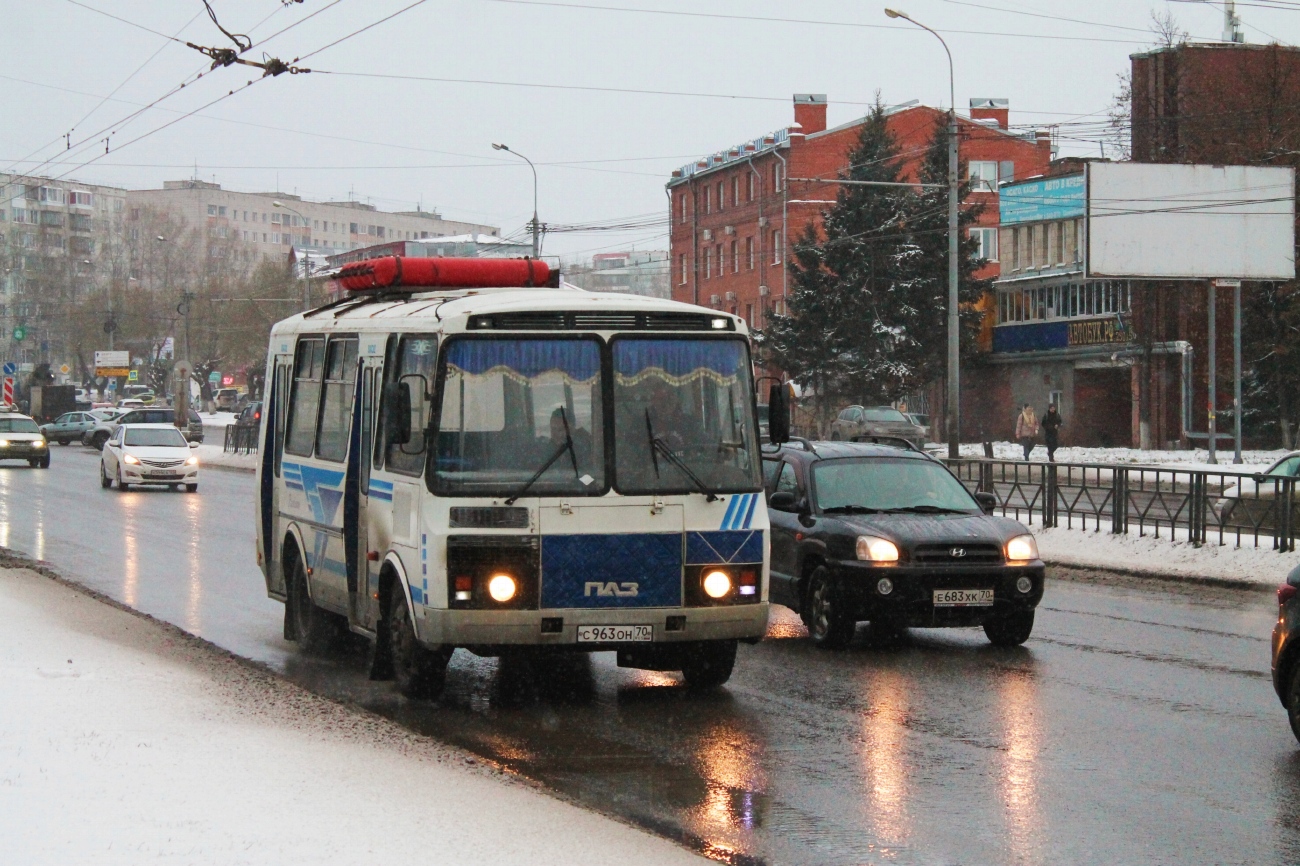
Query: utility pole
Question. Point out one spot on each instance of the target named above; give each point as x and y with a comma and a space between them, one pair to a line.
535, 226
306, 286
952, 420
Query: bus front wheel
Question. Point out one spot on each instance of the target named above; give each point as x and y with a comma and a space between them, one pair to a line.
708, 664
314, 628
418, 671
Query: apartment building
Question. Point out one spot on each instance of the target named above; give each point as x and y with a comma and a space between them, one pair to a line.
58, 238
271, 229
633, 272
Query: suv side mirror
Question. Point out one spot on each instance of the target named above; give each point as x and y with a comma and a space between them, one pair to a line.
782, 501
778, 414
987, 501
397, 413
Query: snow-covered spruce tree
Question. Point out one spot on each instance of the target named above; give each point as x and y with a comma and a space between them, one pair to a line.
836, 335
918, 305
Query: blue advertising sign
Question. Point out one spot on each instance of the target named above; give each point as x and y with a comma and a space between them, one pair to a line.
1060, 334
1054, 198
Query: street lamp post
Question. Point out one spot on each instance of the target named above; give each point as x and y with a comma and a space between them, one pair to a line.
306, 286
535, 225
953, 415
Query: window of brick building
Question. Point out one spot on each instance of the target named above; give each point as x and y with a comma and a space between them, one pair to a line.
750, 185
681, 266
708, 263
683, 198
983, 176
776, 247
722, 262
749, 251
988, 243
735, 191
721, 195
735, 256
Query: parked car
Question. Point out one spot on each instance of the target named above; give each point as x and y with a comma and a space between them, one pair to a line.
1252, 502
149, 454
103, 431
889, 535
922, 422
250, 415
130, 403
68, 427
885, 421
227, 398
140, 392
1286, 648
21, 439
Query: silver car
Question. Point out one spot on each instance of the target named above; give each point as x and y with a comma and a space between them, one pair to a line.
21, 439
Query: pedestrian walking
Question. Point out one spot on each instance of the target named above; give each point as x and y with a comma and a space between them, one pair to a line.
1052, 431
1027, 429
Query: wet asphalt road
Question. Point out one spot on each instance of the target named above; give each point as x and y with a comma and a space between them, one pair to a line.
1138, 725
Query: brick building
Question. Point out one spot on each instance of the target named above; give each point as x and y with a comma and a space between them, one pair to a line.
734, 212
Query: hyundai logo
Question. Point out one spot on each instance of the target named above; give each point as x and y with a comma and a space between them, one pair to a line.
957, 552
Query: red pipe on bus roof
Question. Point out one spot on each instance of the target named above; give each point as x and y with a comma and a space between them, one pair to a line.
448, 273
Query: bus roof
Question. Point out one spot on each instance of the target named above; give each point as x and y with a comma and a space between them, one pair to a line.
510, 309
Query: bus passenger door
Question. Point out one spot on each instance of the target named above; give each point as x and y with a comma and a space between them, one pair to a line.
275, 406
356, 504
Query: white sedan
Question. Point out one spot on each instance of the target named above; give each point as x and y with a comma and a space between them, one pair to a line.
149, 454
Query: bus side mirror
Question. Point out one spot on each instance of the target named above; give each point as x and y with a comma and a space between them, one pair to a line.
778, 414
397, 413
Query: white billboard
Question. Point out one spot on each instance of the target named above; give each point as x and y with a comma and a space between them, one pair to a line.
113, 359
1157, 221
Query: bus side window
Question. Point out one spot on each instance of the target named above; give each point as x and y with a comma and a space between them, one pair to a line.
308, 367
414, 368
336, 411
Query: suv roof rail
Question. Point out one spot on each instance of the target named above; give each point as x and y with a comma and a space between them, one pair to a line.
889, 441
799, 440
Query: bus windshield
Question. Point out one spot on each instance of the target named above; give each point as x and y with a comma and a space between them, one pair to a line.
683, 416
512, 406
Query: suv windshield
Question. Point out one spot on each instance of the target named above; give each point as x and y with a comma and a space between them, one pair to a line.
18, 425
509, 406
883, 414
693, 398
155, 438
884, 484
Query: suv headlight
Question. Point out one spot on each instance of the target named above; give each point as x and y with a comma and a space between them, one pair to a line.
1022, 548
873, 549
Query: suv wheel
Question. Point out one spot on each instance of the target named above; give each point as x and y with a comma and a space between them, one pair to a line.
1009, 629
830, 623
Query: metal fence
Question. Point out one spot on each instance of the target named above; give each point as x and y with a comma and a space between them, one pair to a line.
1203, 507
240, 438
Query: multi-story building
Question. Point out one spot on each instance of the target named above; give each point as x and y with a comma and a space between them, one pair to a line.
733, 213
462, 246
58, 239
271, 230
634, 272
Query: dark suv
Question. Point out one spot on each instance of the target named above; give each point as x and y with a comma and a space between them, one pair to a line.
100, 433
1286, 648
889, 535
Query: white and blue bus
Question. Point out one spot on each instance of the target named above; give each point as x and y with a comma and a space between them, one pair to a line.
455, 455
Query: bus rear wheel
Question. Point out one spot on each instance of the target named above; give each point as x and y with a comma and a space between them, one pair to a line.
314, 627
709, 664
418, 671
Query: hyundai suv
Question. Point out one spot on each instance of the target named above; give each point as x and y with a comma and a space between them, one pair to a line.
888, 535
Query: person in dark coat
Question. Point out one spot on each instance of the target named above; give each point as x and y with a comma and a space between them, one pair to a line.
1052, 431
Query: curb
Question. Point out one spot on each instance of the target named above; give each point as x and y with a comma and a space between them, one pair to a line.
1169, 577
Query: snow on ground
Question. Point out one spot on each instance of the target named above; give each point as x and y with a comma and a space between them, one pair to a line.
1165, 556
1193, 458
216, 422
124, 741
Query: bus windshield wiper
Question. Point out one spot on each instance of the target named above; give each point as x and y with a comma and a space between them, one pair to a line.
850, 509
658, 447
925, 509
566, 445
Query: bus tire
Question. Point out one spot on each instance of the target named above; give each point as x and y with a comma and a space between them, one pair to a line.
316, 628
418, 671
709, 664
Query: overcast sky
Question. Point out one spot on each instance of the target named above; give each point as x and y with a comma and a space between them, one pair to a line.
601, 155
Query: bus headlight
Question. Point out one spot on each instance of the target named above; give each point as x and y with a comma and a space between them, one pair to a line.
502, 587
717, 584
1022, 548
874, 549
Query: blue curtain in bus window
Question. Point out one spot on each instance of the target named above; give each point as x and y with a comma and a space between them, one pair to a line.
679, 360
579, 360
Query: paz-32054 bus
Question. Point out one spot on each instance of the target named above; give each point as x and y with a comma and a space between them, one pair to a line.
455, 455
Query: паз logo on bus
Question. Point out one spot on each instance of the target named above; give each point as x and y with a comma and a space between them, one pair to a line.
609, 589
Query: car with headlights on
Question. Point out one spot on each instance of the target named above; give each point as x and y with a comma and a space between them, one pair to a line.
149, 454
888, 535
21, 439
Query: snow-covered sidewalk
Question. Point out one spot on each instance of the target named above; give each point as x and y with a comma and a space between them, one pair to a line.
123, 740
1254, 461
